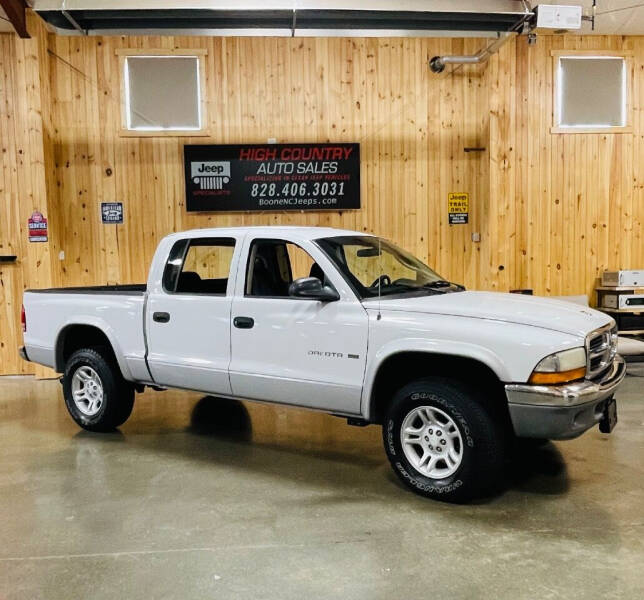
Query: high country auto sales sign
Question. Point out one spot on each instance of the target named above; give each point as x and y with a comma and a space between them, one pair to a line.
258, 177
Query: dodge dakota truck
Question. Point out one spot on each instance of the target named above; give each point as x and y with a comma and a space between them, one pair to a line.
341, 322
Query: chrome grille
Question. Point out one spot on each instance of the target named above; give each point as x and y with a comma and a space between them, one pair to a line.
601, 348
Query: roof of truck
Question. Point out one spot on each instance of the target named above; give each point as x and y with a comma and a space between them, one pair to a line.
302, 233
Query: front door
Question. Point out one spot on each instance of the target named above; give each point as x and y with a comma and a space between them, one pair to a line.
291, 350
188, 320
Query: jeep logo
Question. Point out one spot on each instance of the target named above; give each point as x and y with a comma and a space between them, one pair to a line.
206, 169
210, 175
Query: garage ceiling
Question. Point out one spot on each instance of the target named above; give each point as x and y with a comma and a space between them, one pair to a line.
287, 17
309, 17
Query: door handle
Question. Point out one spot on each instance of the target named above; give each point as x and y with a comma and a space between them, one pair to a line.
161, 317
243, 322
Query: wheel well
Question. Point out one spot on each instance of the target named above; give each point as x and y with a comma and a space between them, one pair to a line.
75, 337
400, 369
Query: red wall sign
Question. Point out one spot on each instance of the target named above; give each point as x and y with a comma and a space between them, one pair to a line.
37, 225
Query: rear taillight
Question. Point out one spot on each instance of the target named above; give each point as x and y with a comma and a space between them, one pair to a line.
23, 319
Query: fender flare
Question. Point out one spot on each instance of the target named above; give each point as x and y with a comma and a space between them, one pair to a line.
427, 346
105, 329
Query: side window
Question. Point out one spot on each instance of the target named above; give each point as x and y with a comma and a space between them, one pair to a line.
199, 266
301, 262
274, 264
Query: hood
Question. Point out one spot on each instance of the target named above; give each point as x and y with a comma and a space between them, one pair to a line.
535, 311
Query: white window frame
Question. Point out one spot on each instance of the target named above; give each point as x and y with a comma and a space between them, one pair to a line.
627, 56
198, 53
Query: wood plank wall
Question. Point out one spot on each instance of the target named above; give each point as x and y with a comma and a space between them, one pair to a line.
22, 189
377, 92
553, 211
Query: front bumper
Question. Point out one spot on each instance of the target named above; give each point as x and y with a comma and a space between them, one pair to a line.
560, 412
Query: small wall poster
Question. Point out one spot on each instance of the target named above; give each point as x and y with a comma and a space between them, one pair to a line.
37, 226
458, 208
112, 213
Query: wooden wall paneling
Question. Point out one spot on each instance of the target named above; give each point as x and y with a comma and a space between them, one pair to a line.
553, 209
379, 136
108, 111
637, 242
409, 147
352, 124
393, 206
474, 136
421, 137
22, 190
31, 178
628, 143
543, 193
500, 259
483, 173
473, 105
451, 160
11, 275
441, 173
525, 158
368, 158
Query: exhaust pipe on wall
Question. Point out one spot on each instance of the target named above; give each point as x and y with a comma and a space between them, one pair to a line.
438, 63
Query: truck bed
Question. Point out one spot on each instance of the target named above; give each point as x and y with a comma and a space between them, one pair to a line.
115, 310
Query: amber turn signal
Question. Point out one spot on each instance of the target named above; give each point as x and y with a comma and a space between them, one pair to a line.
562, 377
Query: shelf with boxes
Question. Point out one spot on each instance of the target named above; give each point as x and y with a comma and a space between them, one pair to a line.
621, 295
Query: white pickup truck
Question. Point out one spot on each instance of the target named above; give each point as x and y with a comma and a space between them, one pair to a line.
341, 322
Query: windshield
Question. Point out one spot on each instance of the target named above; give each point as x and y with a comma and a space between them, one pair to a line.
373, 265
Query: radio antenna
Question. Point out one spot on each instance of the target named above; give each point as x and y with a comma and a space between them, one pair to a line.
379, 277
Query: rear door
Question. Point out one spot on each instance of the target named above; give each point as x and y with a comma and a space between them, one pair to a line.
188, 316
293, 350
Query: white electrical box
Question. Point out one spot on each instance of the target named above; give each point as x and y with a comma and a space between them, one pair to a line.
634, 301
623, 278
558, 16
623, 301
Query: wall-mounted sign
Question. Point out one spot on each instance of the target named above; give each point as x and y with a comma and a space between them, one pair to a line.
112, 213
37, 226
261, 177
458, 207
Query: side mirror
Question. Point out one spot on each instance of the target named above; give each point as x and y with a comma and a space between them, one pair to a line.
312, 289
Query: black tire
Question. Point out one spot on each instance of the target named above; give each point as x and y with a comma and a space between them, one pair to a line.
482, 452
117, 397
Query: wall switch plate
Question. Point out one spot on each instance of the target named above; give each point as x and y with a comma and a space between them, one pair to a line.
271, 141
61, 255
476, 236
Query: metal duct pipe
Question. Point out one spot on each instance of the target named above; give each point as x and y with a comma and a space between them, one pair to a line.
438, 63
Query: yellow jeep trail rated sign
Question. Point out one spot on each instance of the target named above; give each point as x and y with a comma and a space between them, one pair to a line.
458, 207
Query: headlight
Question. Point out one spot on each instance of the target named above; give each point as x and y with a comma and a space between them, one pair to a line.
561, 367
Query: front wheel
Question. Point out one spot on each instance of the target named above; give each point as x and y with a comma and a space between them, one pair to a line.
96, 395
441, 442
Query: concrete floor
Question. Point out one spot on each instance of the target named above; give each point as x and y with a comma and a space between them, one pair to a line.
199, 498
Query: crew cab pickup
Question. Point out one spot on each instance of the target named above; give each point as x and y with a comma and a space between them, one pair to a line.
341, 322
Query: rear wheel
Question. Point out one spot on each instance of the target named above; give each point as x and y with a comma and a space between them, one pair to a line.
441, 442
96, 395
